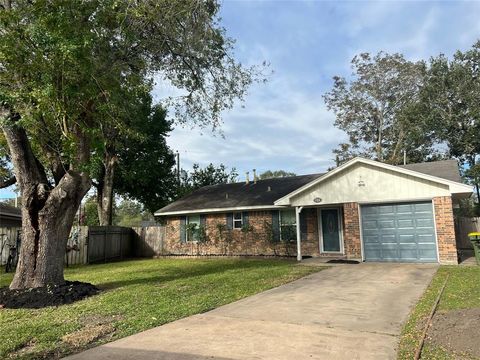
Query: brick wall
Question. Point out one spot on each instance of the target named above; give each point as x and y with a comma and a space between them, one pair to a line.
445, 227
351, 231
236, 242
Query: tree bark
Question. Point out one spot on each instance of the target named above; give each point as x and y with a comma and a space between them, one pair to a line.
47, 212
105, 191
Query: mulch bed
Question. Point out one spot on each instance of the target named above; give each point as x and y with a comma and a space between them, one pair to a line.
54, 295
457, 330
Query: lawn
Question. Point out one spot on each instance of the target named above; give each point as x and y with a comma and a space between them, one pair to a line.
461, 292
137, 295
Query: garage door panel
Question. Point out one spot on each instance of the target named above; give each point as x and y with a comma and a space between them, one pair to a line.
423, 207
425, 223
406, 223
386, 224
404, 208
407, 238
388, 239
399, 232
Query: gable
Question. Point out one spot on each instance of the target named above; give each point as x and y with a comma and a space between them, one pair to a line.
363, 182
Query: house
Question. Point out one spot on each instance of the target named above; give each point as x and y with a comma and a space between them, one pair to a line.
364, 210
10, 216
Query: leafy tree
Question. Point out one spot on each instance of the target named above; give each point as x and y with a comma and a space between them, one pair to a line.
450, 103
275, 174
90, 213
139, 164
130, 213
370, 109
199, 177
70, 73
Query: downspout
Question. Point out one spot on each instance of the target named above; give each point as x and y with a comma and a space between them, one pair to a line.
298, 210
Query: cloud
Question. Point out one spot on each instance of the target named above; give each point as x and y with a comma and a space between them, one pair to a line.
284, 124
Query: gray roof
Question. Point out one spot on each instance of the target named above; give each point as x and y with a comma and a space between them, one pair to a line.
446, 169
10, 211
263, 193
243, 195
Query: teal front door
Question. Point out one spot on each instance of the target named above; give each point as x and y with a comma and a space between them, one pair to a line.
330, 230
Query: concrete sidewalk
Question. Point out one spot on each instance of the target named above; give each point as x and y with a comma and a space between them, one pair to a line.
344, 312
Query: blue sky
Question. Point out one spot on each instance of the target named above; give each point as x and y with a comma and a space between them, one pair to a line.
284, 124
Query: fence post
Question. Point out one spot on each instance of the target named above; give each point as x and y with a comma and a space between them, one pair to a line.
105, 244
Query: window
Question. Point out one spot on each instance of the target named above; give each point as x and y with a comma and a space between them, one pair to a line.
237, 220
288, 225
193, 225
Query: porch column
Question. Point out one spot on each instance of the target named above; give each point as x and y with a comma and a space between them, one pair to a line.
298, 210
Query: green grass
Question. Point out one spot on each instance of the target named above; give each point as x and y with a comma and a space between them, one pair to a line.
137, 295
461, 292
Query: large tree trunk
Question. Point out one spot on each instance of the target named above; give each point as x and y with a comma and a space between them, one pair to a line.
105, 191
47, 213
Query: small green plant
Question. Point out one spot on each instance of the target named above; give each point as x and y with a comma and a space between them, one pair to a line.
269, 236
246, 231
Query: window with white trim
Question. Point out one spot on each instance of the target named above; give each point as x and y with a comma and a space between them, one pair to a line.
193, 226
237, 220
288, 225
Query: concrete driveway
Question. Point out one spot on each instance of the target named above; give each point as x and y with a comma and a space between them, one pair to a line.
344, 312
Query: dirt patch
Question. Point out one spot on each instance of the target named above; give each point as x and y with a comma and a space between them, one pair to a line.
457, 330
41, 297
87, 334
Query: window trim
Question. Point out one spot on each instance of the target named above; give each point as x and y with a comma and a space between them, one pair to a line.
187, 222
241, 220
280, 224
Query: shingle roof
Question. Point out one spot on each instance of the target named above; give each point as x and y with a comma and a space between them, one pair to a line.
446, 169
11, 211
239, 194
242, 195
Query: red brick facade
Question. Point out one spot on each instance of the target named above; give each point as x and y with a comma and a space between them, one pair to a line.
351, 231
447, 248
258, 241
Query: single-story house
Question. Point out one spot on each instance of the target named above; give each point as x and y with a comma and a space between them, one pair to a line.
363, 209
10, 216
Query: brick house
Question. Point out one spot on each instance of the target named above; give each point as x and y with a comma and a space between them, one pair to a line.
364, 210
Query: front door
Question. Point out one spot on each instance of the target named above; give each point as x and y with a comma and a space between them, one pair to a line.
330, 230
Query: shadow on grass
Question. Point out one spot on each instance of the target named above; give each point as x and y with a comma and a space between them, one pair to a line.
179, 271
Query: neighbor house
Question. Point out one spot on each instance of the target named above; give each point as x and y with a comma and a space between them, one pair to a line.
364, 210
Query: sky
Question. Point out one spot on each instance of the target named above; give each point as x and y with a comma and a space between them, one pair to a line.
284, 123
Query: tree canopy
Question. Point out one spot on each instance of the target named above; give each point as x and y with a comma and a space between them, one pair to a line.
371, 108
209, 175
72, 74
268, 174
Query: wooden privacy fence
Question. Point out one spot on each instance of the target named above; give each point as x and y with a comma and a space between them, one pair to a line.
148, 241
464, 226
109, 243
8, 237
97, 244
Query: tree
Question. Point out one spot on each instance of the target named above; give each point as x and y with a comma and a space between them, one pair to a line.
199, 177
275, 174
69, 70
138, 165
371, 109
130, 213
90, 213
450, 103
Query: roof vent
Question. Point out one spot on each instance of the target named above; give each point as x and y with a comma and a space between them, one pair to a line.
226, 195
247, 179
269, 188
